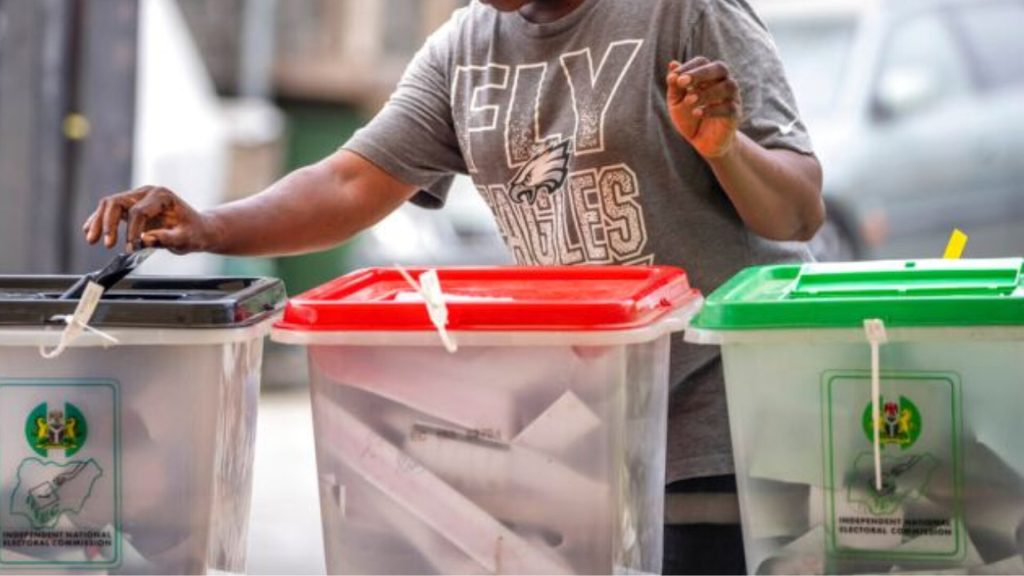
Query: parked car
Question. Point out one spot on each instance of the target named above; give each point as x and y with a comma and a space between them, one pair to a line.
917, 112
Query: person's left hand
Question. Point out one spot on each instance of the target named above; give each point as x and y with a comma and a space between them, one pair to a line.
705, 104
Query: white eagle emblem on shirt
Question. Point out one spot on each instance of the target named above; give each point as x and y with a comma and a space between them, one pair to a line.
545, 172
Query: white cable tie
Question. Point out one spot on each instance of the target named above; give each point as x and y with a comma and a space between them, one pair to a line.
429, 288
69, 318
78, 322
874, 329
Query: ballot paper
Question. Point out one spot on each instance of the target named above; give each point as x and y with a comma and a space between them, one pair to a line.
522, 487
560, 427
1012, 565
993, 526
374, 530
993, 502
494, 459
779, 509
805, 555
497, 391
429, 499
951, 503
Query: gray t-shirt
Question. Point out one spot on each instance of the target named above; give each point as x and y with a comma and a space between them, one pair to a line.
564, 129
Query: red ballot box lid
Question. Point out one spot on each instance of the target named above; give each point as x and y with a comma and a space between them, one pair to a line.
578, 298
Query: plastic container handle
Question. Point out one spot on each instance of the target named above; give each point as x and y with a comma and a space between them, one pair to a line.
679, 320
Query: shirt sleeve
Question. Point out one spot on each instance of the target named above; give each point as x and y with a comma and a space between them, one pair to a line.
413, 137
730, 31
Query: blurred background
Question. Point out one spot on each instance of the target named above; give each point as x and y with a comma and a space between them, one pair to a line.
916, 108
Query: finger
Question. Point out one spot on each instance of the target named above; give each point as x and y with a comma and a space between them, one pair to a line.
691, 64
173, 239
706, 74
139, 216
678, 92
95, 223
112, 214
722, 110
675, 93
723, 91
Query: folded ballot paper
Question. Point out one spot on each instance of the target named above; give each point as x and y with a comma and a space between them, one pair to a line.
495, 460
925, 520
495, 390
430, 500
372, 529
525, 488
950, 499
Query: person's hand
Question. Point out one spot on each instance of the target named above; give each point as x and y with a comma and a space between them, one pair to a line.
155, 218
705, 104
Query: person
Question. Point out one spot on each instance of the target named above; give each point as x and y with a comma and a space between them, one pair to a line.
598, 131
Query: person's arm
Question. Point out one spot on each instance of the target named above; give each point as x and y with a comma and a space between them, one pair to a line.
777, 192
313, 208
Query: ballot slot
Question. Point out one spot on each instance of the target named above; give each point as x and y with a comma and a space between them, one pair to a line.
145, 302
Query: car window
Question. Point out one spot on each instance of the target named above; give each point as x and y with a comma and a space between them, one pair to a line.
995, 32
815, 52
922, 66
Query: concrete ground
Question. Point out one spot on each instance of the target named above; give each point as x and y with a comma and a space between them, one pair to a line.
284, 533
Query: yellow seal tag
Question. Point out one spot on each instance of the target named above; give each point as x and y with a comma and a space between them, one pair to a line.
957, 243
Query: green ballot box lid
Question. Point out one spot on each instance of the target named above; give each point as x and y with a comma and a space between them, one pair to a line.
909, 293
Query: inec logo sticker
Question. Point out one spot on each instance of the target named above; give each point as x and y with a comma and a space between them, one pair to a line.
917, 513
56, 429
60, 474
899, 423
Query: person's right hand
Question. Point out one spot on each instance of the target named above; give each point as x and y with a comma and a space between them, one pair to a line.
155, 217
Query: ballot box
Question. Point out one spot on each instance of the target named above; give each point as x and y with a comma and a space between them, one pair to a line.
130, 451
804, 345
522, 433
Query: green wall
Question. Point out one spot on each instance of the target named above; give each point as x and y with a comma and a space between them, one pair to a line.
314, 131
